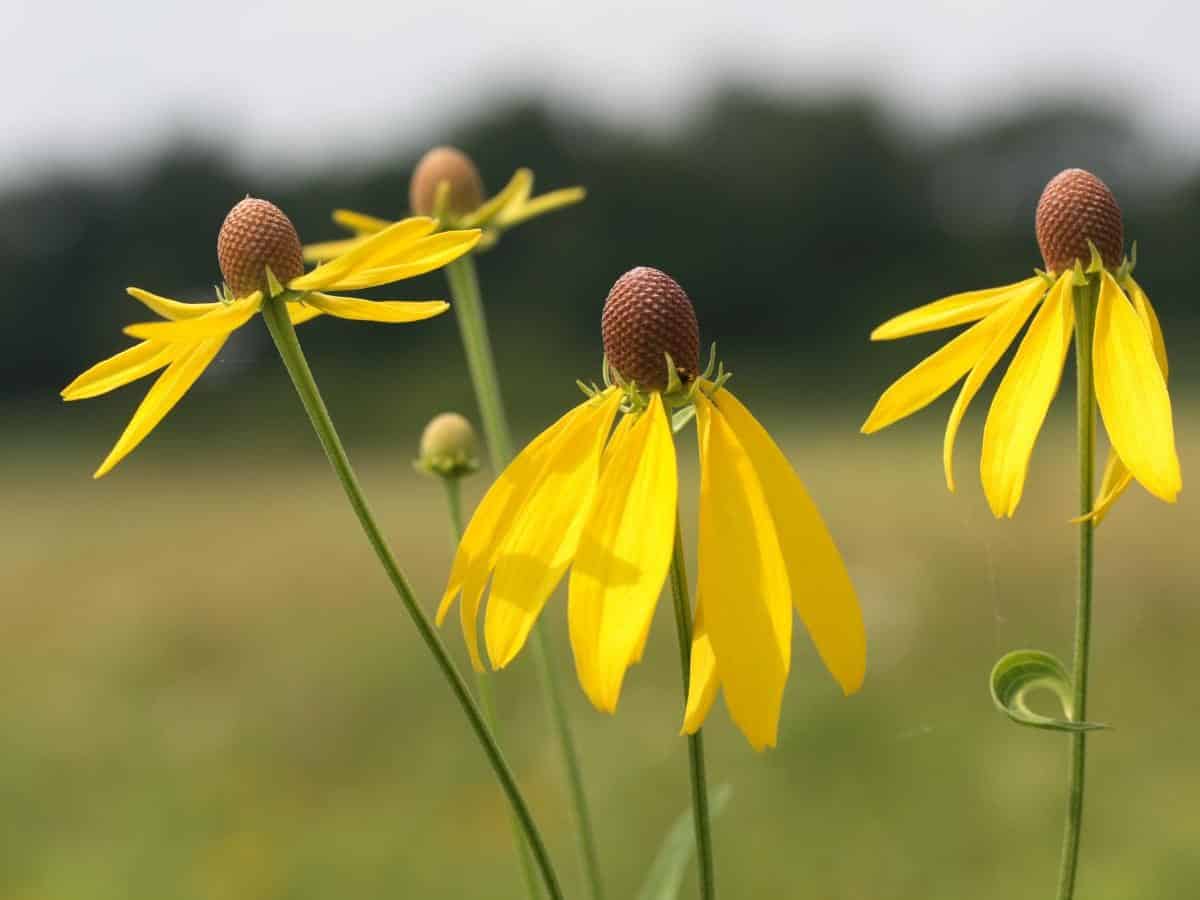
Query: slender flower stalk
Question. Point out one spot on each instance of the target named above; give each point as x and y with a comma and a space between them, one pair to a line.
472, 322
448, 452
284, 334
1085, 402
683, 627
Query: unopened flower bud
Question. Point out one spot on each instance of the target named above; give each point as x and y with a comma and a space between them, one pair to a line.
647, 317
449, 447
1077, 207
256, 234
453, 167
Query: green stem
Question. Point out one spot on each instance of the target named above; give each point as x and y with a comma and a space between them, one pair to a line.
284, 334
487, 699
1085, 308
700, 815
477, 345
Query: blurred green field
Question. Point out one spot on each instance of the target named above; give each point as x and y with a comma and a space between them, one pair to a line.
210, 691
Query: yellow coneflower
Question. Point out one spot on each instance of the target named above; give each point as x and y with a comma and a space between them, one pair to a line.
259, 255
1078, 224
446, 185
605, 505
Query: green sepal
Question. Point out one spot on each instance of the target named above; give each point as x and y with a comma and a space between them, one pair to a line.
1019, 673
666, 874
1078, 278
273, 285
1096, 264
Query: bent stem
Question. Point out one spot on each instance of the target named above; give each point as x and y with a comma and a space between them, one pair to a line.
487, 700
700, 815
1085, 311
477, 345
284, 334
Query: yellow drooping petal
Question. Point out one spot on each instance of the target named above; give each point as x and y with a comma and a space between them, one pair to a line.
360, 222
743, 579
821, 589
1010, 319
957, 309
423, 256
1023, 399
543, 537
218, 323
117, 371
166, 392
300, 313
516, 191
1141, 302
485, 534
702, 675
376, 310
1132, 393
538, 206
623, 556
1113, 484
323, 251
171, 309
373, 251
935, 374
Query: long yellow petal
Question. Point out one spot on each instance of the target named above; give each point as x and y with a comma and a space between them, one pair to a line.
957, 309
485, 534
423, 256
1023, 399
300, 313
821, 589
743, 579
1132, 394
166, 392
323, 251
360, 222
171, 309
119, 370
376, 310
219, 323
1010, 319
539, 206
365, 253
702, 675
543, 538
517, 190
1141, 302
624, 553
1113, 484
935, 374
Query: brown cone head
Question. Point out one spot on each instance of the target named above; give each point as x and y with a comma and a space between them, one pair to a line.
646, 316
450, 165
257, 234
1076, 207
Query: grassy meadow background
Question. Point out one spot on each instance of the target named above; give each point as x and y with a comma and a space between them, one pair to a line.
210, 691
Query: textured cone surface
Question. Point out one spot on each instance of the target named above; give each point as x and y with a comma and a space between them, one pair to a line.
1076, 207
257, 234
646, 316
450, 165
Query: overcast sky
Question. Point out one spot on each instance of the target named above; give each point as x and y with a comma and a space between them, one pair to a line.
104, 82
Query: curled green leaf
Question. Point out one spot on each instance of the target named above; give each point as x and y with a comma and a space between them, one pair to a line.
665, 877
1021, 672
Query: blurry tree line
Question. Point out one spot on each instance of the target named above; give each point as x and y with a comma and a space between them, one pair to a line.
795, 226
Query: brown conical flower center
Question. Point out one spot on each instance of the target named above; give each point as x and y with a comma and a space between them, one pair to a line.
450, 165
647, 315
254, 235
1076, 207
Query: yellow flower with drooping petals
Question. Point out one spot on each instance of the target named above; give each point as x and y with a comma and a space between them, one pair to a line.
259, 252
447, 186
1078, 223
605, 505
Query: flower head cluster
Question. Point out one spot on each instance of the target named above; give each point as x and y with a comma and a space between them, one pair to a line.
602, 501
1080, 233
260, 258
447, 186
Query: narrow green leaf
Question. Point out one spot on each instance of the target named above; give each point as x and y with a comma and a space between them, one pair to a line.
1021, 672
679, 845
